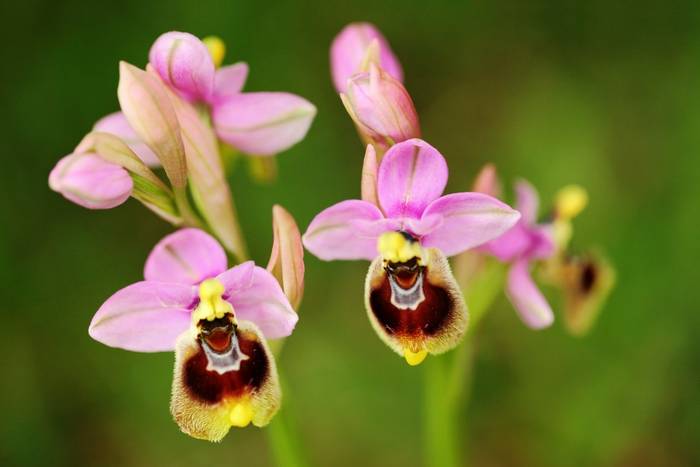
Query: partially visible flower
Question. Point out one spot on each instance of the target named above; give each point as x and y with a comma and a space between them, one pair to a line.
381, 108
184, 63
117, 125
287, 256
411, 297
90, 181
257, 123
525, 243
216, 320
349, 50
586, 282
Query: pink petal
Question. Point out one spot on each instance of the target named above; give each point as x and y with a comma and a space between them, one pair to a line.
347, 230
263, 123
468, 220
527, 298
116, 124
184, 63
91, 182
144, 317
411, 175
237, 278
512, 244
187, 256
349, 48
229, 81
527, 201
263, 302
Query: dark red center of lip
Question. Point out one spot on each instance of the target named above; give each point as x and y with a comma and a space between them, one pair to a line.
432, 313
211, 387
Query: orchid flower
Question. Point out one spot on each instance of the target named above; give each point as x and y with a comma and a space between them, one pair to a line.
217, 321
257, 123
407, 229
586, 279
520, 246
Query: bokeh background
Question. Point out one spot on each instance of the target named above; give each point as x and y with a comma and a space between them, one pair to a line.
605, 94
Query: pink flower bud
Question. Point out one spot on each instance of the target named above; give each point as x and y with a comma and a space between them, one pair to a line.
381, 108
91, 182
287, 256
349, 49
184, 63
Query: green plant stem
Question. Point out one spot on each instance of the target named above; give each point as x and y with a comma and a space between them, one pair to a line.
448, 379
441, 444
284, 441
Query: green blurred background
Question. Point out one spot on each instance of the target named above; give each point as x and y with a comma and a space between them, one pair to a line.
603, 95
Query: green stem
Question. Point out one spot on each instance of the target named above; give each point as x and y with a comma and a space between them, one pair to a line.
448, 379
441, 443
284, 441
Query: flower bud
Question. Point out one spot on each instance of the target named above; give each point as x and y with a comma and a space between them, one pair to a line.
349, 49
381, 108
185, 64
147, 108
88, 180
287, 256
487, 181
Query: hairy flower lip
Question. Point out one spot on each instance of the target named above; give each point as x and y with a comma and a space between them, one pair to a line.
435, 324
206, 404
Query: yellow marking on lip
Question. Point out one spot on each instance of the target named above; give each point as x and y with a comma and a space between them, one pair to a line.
414, 358
241, 414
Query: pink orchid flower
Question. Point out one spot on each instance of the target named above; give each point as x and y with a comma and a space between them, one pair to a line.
412, 299
216, 320
522, 245
349, 51
257, 123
